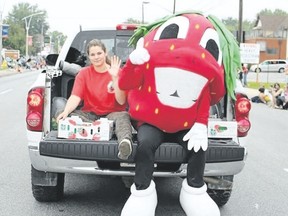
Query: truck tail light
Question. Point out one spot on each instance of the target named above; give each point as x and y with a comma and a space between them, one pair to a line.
242, 109
35, 105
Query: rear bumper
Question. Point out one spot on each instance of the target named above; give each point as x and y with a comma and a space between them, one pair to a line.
223, 157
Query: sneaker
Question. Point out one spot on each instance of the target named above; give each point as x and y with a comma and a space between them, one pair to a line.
125, 149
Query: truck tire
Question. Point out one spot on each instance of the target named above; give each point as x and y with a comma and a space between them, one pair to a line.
47, 193
221, 197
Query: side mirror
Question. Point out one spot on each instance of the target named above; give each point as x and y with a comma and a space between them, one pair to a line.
51, 59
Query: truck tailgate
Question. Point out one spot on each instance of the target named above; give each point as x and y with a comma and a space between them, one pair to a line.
218, 150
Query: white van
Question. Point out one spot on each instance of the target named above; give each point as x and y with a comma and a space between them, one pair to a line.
272, 65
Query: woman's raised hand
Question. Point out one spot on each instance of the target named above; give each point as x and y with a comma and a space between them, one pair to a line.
115, 66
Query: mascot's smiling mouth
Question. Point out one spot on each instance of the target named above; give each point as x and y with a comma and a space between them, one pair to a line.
178, 88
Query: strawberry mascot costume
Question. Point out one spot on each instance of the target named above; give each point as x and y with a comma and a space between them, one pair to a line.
181, 66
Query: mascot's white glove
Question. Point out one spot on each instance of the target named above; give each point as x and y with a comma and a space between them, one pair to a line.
140, 55
197, 137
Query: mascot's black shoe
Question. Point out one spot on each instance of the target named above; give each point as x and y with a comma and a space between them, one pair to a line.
141, 202
196, 202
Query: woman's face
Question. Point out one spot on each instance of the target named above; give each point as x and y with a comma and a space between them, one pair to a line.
97, 56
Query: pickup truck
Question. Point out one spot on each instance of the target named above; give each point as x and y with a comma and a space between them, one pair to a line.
52, 157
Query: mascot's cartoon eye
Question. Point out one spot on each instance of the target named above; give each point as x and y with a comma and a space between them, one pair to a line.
176, 27
210, 42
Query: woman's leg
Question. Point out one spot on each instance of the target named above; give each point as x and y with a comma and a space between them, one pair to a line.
123, 131
85, 116
149, 139
245, 78
123, 128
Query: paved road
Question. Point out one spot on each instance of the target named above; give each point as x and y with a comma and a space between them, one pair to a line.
264, 77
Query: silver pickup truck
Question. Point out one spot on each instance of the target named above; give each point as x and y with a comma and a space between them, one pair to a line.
52, 157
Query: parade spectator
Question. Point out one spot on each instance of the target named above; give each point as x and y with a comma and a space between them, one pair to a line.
245, 74
240, 75
276, 92
282, 100
264, 96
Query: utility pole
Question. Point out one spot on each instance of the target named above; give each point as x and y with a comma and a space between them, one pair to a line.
144, 2
174, 6
240, 21
27, 26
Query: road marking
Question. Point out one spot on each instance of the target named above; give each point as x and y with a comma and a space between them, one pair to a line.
286, 169
5, 91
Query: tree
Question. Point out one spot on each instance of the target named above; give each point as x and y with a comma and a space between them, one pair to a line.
17, 32
57, 40
232, 24
276, 12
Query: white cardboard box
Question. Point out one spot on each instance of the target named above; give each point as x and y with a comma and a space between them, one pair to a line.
222, 129
74, 128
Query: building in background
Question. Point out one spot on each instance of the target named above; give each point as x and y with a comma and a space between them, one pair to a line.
271, 33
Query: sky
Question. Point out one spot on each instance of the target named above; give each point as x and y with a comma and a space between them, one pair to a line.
67, 16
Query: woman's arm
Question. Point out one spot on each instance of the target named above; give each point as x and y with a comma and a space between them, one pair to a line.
120, 95
71, 105
278, 92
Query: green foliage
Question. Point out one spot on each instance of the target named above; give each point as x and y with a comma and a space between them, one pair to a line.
57, 40
17, 33
231, 54
277, 12
46, 39
257, 85
38, 28
232, 24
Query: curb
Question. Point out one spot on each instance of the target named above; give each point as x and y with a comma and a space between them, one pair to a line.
9, 72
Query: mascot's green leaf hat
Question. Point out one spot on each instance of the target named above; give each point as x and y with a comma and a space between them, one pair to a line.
228, 43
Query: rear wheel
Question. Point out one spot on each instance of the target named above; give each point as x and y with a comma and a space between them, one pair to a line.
281, 70
221, 197
47, 186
